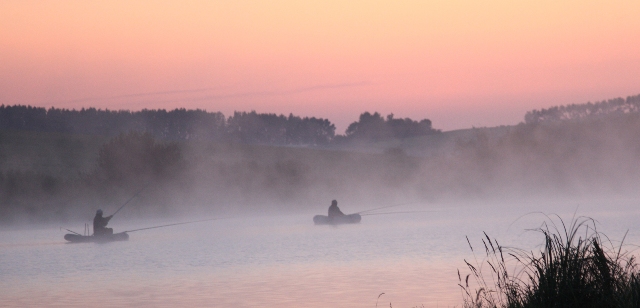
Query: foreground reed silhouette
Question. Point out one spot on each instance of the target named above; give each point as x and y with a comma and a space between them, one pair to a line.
578, 267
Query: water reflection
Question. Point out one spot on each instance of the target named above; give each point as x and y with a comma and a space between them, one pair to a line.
271, 261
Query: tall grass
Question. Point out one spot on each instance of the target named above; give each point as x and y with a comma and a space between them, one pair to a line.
577, 267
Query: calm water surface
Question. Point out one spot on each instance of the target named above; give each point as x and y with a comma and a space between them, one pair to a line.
279, 261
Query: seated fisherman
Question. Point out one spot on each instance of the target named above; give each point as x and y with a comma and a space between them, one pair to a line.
100, 224
334, 211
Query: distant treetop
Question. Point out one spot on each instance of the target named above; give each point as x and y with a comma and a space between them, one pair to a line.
580, 111
373, 127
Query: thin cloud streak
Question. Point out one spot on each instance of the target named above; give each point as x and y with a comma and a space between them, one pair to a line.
224, 96
103, 98
278, 93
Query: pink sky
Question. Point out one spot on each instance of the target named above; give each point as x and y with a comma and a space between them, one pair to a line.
458, 63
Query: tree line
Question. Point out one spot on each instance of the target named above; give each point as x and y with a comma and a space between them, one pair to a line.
616, 106
182, 124
594, 155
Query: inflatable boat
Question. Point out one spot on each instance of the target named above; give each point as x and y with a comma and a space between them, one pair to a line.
76, 238
337, 220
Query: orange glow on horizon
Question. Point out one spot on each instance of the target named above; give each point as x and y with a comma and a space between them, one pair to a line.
458, 63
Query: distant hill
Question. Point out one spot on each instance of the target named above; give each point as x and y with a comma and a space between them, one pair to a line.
428, 145
567, 116
612, 107
60, 154
56, 176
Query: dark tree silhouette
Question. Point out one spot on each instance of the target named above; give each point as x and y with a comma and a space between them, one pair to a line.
580, 111
177, 124
251, 127
373, 127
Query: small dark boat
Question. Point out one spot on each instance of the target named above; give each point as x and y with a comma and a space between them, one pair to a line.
75, 238
337, 220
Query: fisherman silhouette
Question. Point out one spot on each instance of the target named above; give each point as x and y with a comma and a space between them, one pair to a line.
100, 224
334, 211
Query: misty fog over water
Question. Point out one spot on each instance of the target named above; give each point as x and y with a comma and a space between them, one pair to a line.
263, 248
320, 154
281, 261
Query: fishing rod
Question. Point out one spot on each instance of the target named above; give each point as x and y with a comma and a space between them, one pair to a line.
139, 191
384, 207
175, 224
379, 208
71, 231
405, 212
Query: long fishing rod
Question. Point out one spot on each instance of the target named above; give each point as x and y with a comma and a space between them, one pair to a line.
72, 231
139, 191
175, 224
405, 212
384, 207
379, 208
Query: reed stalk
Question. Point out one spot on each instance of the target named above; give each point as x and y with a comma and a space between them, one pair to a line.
576, 267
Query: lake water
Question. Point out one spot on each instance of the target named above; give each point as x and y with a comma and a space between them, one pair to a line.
279, 261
